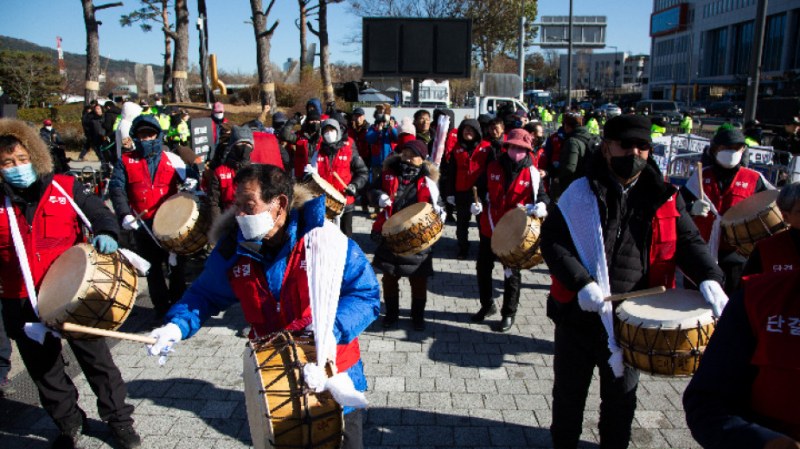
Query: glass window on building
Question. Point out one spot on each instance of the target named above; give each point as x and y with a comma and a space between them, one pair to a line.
773, 42
742, 47
796, 40
714, 52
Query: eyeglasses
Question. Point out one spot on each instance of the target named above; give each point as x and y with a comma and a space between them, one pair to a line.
629, 144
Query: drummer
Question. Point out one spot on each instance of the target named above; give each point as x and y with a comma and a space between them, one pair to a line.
218, 178
645, 233
780, 252
29, 187
510, 182
142, 180
725, 183
407, 179
259, 260
745, 392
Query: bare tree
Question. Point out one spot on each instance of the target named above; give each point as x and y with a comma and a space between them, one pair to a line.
180, 88
155, 11
93, 48
324, 48
301, 25
263, 43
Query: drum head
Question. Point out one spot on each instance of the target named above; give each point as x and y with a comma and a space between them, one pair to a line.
750, 207
404, 219
675, 308
328, 189
66, 278
176, 214
510, 231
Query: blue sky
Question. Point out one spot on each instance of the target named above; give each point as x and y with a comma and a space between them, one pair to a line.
40, 21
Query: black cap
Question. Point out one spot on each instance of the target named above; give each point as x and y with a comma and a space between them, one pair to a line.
358, 111
278, 119
417, 146
727, 137
624, 127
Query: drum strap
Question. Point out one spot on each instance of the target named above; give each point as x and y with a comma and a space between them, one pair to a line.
579, 207
34, 331
74, 206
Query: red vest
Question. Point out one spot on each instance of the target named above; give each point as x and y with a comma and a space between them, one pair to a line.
340, 164
144, 193
450, 143
663, 244
266, 150
359, 136
773, 310
778, 253
293, 312
501, 201
301, 157
743, 185
469, 167
227, 190
55, 229
389, 184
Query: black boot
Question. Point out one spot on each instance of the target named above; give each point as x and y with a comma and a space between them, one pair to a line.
505, 324
70, 430
418, 313
392, 312
483, 313
125, 436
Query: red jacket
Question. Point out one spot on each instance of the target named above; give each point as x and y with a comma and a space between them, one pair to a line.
339, 165
389, 184
778, 253
469, 167
501, 201
291, 311
301, 155
743, 185
55, 229
227, 189
359, 136
144, 193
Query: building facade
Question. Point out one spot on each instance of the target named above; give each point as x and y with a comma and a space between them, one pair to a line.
701, 49
614, 71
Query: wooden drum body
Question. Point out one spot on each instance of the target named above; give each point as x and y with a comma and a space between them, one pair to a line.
180, 226
85, 287
413, 229
515, 240
281, 411
752, 219
666, 333
334, 200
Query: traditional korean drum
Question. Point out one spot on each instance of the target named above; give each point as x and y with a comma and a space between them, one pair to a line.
413, 229
515, 240
665, 333
180, 226
281, 410
752, 219
85, 287
334, 201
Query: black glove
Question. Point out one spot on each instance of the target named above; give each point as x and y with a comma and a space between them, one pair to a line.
350, 190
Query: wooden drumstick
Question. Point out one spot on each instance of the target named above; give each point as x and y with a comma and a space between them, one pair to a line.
336, 175
637, 293
699, 171
475, 194
72, 327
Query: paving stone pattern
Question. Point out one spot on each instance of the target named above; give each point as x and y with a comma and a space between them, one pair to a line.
457, 384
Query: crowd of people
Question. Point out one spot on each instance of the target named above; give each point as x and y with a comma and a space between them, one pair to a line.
611, 224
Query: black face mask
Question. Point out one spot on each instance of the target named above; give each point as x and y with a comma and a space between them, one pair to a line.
408, 171
626, 167
311, 128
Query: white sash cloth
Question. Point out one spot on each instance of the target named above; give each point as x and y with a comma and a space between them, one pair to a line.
578, 205
326, 255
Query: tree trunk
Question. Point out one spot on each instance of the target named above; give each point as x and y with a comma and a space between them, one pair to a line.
92, 86
324, 53
263, 43
165, 81
180, 88
303, 38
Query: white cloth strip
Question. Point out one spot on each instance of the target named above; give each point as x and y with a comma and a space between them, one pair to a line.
74, 205
177, 164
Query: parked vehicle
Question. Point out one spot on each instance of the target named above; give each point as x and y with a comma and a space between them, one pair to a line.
727, 109
693, 109
610, 109
660, 108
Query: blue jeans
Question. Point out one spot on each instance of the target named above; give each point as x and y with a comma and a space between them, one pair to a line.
5, 349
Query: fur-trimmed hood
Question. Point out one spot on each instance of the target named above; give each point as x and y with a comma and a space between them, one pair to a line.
429, 169
225, 224
29, 138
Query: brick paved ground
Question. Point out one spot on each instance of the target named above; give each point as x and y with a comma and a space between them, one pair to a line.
455, 385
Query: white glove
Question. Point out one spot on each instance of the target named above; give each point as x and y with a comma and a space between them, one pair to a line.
451, 200
591, 298
441, 212
384, 201
189, 185
309, 170
540, 210
165, 336
700, 208
476, 208
714, 295
129, 223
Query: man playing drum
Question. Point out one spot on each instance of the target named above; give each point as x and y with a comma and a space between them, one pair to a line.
745, 393
262, 259
780, 252
725, 183
618, 229
407, 179
43, 225
142, 180
511, 181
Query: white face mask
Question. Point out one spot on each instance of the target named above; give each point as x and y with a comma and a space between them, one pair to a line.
48, 128
219, 115
255, 227
330, 136
729, 158
159, 103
